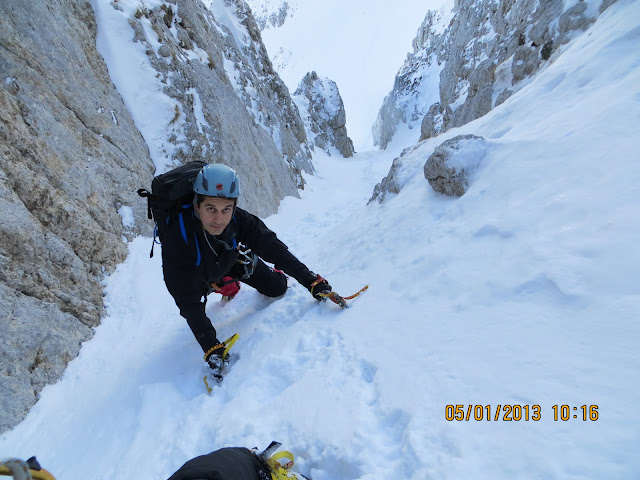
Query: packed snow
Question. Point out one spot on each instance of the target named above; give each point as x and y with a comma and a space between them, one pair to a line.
523, 292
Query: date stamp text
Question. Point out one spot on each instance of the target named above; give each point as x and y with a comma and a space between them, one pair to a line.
517, 413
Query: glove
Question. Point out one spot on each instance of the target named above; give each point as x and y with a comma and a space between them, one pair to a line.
318, 285
230, 287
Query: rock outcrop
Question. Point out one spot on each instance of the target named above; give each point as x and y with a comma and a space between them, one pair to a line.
467, 61
321, 105
398, 175
270, 13
450, 168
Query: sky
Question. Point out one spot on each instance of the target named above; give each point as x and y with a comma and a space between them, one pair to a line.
360, 47
514, 305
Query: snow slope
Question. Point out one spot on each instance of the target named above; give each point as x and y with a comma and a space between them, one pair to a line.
522, 292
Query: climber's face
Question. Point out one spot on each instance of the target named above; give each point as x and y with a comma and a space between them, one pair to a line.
215, 213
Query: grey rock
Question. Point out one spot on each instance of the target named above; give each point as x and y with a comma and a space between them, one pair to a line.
429, 128
400, 105
541, 23
249, 121
479, 96
164, 51
269, 13
462, 50
504, 95
398, 175
33, 353
525, 62
320, 100
573, 20
388, 184
451, 166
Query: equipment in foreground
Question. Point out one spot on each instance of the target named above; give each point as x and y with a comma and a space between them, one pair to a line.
339, 300
239, 463
280, 463
216, 371
24, 470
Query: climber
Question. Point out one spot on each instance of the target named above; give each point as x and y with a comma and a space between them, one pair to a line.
214, 245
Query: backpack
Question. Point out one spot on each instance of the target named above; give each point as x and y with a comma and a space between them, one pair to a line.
171, 195
234, 463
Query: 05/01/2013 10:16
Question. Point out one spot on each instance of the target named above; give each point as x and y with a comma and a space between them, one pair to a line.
515, 412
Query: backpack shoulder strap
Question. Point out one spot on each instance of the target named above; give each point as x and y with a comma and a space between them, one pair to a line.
144, 193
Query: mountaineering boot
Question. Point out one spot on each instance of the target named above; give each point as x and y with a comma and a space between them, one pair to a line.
217, 360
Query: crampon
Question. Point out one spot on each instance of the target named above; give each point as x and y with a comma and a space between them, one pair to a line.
217, 377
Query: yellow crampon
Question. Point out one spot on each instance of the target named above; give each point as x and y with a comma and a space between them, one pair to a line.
339, 300
21, 470
280, 470
228, 343
278, 463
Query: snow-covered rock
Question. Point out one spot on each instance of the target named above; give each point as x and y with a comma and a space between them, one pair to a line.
271, 13
450, 168
400, 173
472, 55
229, 102
320, 104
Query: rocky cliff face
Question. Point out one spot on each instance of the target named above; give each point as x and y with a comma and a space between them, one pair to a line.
325, 117
248, 119
469, 58
270, 13
71, 159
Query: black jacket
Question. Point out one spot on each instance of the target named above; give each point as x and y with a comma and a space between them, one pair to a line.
192, 259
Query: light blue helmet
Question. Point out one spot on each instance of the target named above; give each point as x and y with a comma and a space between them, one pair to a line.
217, 180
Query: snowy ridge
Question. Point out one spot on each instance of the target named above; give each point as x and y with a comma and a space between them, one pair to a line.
522, 292
272, 13
471, 56
323, 114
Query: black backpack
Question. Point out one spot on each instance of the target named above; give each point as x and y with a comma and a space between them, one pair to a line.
171, 193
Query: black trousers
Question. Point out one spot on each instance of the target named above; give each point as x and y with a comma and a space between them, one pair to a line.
268, 282
265, 280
